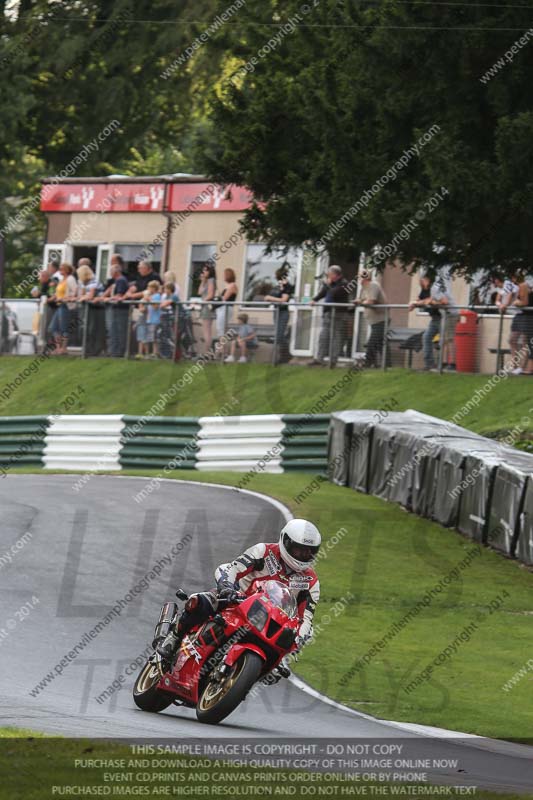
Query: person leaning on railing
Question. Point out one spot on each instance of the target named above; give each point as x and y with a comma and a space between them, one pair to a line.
527, 311
63, 298
434, 298
334, 290
91, 313
373, 295
281, 295
115, 290
520, 334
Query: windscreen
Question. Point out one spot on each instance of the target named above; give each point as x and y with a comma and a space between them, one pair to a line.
281, 597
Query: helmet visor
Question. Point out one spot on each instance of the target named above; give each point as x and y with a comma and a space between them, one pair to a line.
301, 552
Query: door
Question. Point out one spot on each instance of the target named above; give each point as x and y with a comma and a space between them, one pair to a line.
55, 252
305, 322
103, 258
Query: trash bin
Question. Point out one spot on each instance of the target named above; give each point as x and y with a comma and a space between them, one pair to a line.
466, 342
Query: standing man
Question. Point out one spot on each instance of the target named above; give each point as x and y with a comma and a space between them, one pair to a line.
116, 289
140, 285
334, 290
372, 295
436, 299
281, 296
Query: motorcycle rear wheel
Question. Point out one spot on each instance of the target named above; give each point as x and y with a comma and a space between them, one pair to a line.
218, 700
146, 695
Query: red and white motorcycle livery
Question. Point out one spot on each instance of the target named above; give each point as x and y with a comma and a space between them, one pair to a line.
219, 661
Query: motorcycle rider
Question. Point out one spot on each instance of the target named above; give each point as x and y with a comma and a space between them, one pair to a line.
290, 562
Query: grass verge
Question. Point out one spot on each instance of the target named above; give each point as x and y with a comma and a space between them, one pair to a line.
128, 387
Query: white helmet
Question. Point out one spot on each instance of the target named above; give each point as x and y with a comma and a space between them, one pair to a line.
299, 543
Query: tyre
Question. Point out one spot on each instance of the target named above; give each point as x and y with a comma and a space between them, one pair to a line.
219, 699
146, 695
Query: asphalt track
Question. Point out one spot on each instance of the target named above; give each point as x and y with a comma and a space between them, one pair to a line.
87, 549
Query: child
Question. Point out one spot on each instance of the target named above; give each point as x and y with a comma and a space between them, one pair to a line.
154, 317
246, 339
168, 311
141, 330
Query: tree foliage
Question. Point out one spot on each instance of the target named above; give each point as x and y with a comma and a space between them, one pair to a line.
336, 103
71, 68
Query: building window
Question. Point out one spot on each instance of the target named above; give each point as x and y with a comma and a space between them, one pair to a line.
200, 254
133, 253
260, 277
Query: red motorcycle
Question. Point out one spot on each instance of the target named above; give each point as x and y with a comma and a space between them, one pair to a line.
219, 661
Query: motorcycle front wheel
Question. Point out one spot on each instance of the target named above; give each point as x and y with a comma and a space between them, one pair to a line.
146, 695
220, 698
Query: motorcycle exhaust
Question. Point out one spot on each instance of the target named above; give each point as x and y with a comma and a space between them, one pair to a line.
164, 624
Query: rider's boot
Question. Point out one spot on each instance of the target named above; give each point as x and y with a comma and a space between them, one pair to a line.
168, 648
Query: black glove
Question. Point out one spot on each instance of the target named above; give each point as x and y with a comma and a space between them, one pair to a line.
229, 593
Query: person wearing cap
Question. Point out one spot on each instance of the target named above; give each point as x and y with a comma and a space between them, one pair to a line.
371, 297
334, 290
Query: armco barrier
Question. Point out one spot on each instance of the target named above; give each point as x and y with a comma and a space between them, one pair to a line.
83, 442
22, 441
440, 471
305, 442
113, 442
157, 441
239, 443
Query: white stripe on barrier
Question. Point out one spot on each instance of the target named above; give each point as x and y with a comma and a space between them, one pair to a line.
239, 427
251, 465
238, 449
85, 463
89, 442
67, 425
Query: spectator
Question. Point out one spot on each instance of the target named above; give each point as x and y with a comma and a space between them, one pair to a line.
44, 291
170, 277
140, 285
334, 290
46, 285
520, 333
141, 328
371, 295
229, 295
53, 269
63, 298
436, 299
281, 296
506, 292
92, 313
116, 260
154, 317
246, 340
207, 290
88, 285
169, 309
115, 291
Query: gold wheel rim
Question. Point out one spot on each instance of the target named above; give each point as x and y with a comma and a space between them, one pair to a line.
214, 692
148, 678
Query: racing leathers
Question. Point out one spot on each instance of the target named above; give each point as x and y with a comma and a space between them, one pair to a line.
261, 562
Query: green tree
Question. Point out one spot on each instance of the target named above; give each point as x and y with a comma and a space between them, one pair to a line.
68, 70
337, 101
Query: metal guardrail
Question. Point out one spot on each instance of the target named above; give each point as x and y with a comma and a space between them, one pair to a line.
332, 332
